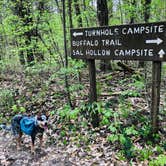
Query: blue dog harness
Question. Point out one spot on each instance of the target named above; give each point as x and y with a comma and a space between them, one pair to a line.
23, 123
27, 125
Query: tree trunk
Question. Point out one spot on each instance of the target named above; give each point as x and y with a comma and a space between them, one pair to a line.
65, 52
102, 12
4, 40
102, 15
85, 9
133, 15
21, 58
78, 13
146, 5
28, 21
147, 10
29, 50
23, 11
59, 9
70, 13
41, 8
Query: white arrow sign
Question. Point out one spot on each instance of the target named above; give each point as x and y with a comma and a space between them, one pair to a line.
154, 41
77, 34
161, 53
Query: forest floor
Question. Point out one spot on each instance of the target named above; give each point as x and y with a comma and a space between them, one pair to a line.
70, 139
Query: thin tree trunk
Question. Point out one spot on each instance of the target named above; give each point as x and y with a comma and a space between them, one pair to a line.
65, 52
85, 9
41, 8
59, 9
55, 44
80, 24
121, 12
78, 13
133, 7
147, 10
23, 11
70, 13
146, 5
4, 38
1, 48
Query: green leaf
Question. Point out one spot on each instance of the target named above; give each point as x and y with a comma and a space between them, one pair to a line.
112, 138
112, 128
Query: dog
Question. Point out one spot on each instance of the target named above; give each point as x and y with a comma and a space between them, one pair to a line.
30, 125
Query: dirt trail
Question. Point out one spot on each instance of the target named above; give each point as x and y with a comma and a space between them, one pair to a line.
47, 156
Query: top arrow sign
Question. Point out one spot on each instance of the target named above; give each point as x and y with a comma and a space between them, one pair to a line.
154, 41
75, 34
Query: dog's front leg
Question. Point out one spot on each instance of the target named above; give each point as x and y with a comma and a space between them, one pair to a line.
32, 144
19, 141
41, 140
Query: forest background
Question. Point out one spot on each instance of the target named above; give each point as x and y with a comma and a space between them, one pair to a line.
37, 74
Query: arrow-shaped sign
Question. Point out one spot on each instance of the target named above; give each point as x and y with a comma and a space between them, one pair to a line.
154, 41
77, 34
161, 53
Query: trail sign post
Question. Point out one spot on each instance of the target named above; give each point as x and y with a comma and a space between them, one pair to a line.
144, 42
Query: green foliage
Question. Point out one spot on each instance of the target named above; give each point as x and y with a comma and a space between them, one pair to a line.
160, 161
113, 138
145, 154
66, 113
130, 93
129, 131
127, 147
163, 70
124, 124
16, 109
6, 99
164, 145
9, 64
106, 118
145, 131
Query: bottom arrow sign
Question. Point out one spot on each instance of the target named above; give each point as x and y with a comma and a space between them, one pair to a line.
161, 53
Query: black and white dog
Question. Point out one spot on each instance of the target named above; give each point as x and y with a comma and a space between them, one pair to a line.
29, 125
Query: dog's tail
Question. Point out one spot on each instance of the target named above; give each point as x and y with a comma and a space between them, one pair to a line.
5, 127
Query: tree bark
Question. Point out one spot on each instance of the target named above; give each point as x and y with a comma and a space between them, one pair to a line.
78, 13
147, 10
70, 13
102, 15
133, 15
102, 12
41, 8
23, 11
85, 9
65, 52
146, 5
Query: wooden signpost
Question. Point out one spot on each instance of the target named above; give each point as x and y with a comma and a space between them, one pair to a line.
144, 42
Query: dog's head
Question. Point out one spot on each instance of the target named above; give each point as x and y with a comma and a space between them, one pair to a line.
42, 121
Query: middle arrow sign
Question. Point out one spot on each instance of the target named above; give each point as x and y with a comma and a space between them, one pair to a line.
154, 41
